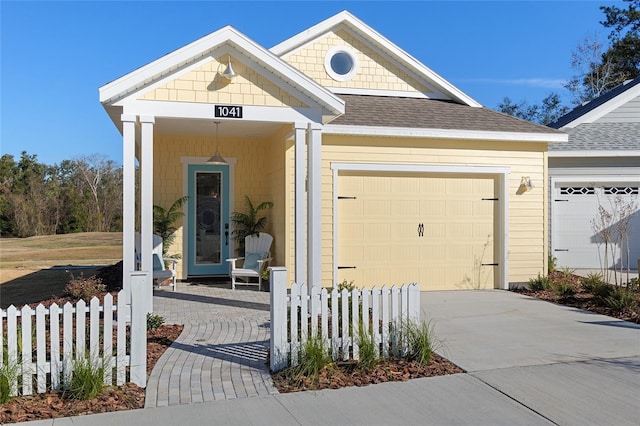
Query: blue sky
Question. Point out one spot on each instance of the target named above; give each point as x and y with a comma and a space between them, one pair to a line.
55, 55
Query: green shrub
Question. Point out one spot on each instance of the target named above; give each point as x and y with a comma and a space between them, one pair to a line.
344, 285
552, 265
367, 350
566, 271
154, 321
87, 379
594, 284
634, 285
315, 356
591, 280
419, 340
563, 289
540, 283
621, 300
84, 288
8, 380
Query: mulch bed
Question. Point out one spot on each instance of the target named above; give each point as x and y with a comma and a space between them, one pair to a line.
346, 373
582, 299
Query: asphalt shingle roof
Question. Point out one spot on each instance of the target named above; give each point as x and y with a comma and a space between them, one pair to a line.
387, 111
601, 136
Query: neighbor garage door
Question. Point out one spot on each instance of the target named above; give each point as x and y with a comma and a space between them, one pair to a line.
402, 228
575, 242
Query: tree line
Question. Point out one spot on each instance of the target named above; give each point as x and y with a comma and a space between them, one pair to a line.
598, 67
80, 195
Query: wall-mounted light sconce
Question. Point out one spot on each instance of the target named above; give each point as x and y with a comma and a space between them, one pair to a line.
228, 73
526, 183
217, 158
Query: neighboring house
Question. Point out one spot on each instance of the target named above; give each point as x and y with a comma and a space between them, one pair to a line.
380, 171
599, 165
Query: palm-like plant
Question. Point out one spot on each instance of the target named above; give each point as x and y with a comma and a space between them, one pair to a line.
163, 220
248, 223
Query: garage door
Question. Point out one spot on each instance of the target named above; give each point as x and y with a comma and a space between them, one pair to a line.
402, 228
576, 244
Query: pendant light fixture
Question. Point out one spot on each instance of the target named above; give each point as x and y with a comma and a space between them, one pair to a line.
229, 73
217, 158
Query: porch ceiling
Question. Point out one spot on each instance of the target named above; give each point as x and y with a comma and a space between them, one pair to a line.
228, 128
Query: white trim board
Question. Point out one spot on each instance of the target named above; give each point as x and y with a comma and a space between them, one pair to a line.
503, 201
391, 93
412, 132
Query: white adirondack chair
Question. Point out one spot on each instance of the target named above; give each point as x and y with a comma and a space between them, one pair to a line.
257, 257
160, 273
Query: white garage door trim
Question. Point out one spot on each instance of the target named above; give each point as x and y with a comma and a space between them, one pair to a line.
503, 201
595, 180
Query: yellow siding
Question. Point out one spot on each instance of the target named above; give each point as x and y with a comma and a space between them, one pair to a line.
527, 249
375, 72
258, 174
204, 85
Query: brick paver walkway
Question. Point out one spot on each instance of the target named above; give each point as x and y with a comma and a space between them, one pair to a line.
222, 351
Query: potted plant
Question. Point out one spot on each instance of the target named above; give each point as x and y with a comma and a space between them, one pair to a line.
266, 283
249, 223
163, 220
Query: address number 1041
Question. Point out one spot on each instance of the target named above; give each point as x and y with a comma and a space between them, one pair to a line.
228, 111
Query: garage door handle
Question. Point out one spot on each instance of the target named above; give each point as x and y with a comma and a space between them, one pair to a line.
346, 267
561, 250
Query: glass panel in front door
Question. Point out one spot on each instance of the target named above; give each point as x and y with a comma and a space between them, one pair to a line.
208, 218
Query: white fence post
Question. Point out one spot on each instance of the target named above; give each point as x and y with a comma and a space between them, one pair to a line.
414, 302
27, 361
41, 348
54, 338
139, 311
278, 345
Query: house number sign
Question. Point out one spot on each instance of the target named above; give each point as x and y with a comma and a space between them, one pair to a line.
228, 111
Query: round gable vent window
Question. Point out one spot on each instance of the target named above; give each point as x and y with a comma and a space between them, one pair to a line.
341, 63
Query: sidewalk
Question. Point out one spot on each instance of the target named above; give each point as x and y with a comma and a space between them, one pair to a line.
528, 361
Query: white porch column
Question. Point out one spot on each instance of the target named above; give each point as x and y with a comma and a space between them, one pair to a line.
300, 193
146, 203
314, 206
128, 200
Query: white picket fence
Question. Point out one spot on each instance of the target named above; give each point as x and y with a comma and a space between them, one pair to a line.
336, 317
41, 344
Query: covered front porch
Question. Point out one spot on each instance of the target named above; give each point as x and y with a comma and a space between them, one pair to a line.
269, 133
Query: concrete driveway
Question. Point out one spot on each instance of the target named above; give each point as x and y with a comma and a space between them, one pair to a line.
568, 366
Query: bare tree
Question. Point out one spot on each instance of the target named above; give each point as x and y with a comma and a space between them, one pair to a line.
613, 226
595, 72
103, 180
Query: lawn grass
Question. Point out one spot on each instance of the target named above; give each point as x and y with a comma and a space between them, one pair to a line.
37, 268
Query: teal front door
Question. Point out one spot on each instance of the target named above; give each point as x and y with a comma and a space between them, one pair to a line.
208, 221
